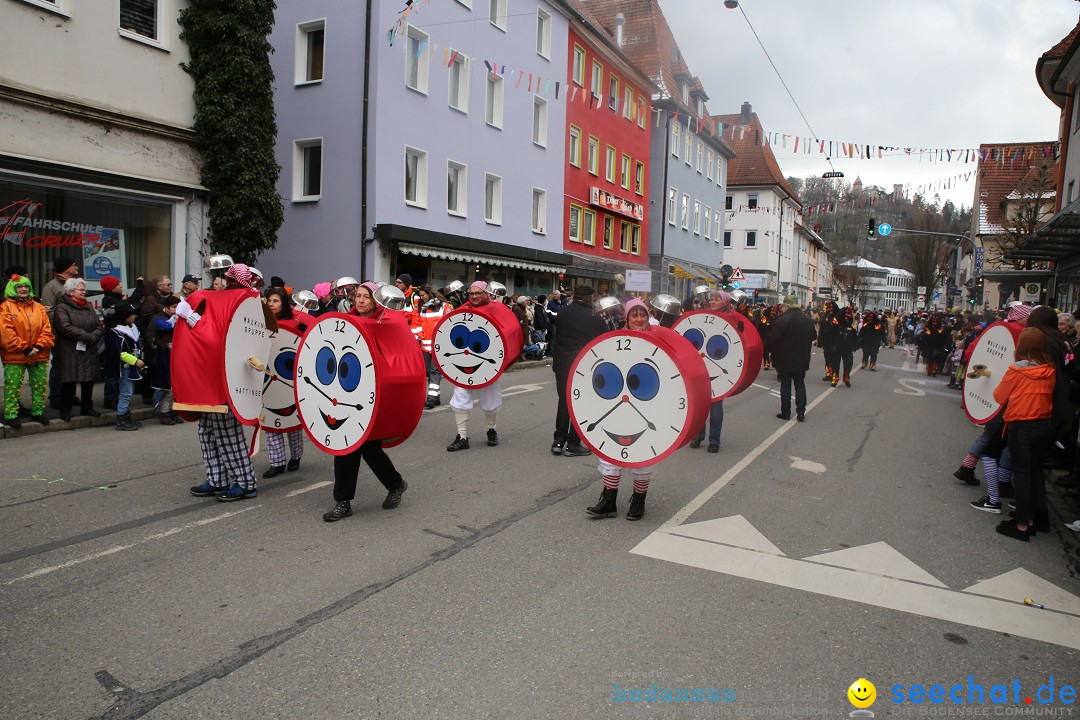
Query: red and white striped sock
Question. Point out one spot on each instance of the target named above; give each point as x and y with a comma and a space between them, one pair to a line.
611, 482
641, 483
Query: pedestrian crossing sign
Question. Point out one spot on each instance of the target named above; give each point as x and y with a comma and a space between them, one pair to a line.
737, 275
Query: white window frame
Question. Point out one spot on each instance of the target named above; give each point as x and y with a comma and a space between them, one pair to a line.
628, 100
624, 167
462, 198
624, 237
540, 121
609, 232
573, 146
538, 211
688, 147
610, 158
751, 235
543, 33
716, 219
493, 213
700, 157
752, 201
60, 7
639, 177
697, 217
596, 79
727, 238
302, 54
580, 58
593, 155
460, 66
729, 202
685, 211
164, 10
673, 205
588, 218
300, 170
708, 164
494, 95
421, 190
422, 61
708, 222
676, 138
580, 212
614, 85
635, 240
497, 13
720, 171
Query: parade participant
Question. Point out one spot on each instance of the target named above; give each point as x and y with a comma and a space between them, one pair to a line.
933, 343
871, 336
347, 467
341, 290
324, 292
611, 311
123, 360
277, 300
490, 397
829, 340
159, 334
849, 340
78, 332
578, 325
412, 295
257, 281
27, 339
793, 335
891, 322
454, 294
719, 301
666, 309
763, 321
221, 435
432, 310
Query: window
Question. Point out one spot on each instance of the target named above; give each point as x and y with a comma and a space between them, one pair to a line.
457, 82
60, 7
720, 171
588, 233
310, 37
594, 155
417, 55
697, 217
492, 199
751, 238
141, 19
579, 65
626, 172
613, 92
575, 146
543, 33
494, 100
751, 201
540, 121
416, 177
597, 85
685, 94
539, 210
700, 156
641, 115
307, 170
700, 107
673, 200
685, 211
639, 178
457, 187
628, 102
708, 164
716, 236
573, 226
624, 237
729, 203
609, 167
635, 240
497, 14
687, 144
675, 139
708, 222
727, 238
609, 228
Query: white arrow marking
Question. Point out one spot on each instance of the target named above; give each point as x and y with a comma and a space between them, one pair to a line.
807, 465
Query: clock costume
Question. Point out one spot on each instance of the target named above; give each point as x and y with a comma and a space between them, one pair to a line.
280, 419
871, 336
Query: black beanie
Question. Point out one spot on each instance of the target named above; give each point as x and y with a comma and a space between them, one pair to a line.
405, 278
61, 264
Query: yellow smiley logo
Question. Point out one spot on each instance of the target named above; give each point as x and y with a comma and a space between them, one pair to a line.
862, 693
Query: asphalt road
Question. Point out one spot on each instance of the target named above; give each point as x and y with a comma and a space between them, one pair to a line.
490, 594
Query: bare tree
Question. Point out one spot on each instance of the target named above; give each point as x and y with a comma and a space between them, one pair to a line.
851, 279
1026, 208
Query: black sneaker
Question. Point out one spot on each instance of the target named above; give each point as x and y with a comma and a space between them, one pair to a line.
206, 490
801, 417
459, 443
967, 475
493, 438
274, 471
393, 498
13, 423
293, 465
985, 505
40, 419
557, 447
576, 451
235, 492
783, 416
695, 443
714, 447
341, 509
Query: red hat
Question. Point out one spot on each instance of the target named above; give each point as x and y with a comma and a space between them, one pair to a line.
109, 283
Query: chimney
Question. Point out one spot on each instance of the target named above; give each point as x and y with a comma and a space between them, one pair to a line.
620, 20
745, 119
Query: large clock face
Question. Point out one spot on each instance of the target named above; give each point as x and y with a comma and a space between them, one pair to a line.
335, 384
628, 399
279, 399
468, 349
719, 345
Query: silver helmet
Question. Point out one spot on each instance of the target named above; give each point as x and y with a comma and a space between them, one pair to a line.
667, 304
454, 286
608, 305
343, 287
305, 301
496, 290
737, 295
219, 262
389, 297
701, 292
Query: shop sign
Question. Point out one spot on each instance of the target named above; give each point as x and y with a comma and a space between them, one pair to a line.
638, 280
755, 280
18, 226
616, 204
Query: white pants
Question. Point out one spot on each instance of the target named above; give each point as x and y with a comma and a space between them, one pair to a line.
490, 397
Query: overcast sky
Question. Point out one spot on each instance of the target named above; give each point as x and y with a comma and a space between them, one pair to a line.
919, 73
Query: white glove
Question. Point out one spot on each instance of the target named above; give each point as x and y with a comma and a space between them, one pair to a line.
183, 309
193, 318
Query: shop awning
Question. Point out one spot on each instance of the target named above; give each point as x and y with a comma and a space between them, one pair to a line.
440, 253
703, 273
1057, 239
583, 265
682, 273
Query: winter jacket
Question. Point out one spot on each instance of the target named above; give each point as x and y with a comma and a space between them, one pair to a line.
577, 326
792, 337
24, 325
122, 350
51, 294
429, 316
1028, 389
74, 324
160, 334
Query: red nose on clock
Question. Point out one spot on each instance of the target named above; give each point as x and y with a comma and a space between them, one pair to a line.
626, 398
466, 351
334, 401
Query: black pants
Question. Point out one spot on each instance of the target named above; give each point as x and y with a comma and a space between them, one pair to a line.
564, 429
799, 378
347, 468
1029, 442
67, 395
835, 358
870, 354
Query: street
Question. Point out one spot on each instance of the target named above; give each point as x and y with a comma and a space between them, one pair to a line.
802, 557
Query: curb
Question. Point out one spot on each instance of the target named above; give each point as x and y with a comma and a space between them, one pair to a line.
107, 418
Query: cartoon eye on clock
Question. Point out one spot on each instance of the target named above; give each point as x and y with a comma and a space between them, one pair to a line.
279, 399
628, 398
335, 384
721, 346
468, 350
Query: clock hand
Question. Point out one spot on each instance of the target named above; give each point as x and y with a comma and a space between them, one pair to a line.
592, 426
722, 369
647, 421
336, 402
478, 357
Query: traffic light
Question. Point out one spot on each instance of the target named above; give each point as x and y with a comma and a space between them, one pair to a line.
871, 229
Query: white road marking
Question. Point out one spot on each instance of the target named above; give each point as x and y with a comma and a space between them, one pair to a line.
119, 548
877, 559
1017, 584
807, 465
507, 392
907, 383
309, 488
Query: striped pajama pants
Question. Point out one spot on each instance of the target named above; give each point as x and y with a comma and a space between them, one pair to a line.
275, 446
224, 451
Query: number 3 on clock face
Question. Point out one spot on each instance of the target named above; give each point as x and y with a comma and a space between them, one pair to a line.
719, 345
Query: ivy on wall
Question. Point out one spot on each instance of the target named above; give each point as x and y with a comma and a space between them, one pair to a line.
234, 120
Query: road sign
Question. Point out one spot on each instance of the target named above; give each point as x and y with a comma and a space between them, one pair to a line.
737, 275
921, 298
1030, 292
726, 271
884, 228
921, 290
736, 284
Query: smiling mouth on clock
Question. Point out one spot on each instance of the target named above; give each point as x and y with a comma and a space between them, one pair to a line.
624, 440
332, 422
467, 370
284, 412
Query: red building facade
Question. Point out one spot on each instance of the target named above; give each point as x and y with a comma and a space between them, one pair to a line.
607, 166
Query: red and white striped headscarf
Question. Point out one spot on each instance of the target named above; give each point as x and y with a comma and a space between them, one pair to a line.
240, 274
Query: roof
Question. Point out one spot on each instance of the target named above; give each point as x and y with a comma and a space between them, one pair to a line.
1063, 46
754, 163
1049, 66
1000, 174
